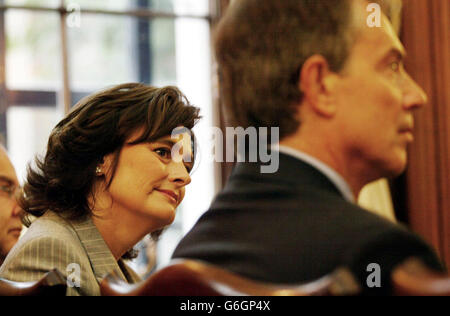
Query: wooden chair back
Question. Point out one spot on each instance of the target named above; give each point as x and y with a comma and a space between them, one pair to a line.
51, 284
413, 278
195, 278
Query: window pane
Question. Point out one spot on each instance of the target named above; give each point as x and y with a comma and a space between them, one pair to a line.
28, 131
160, 5
116, 50
189, 7
163, 57
102, 52
33, 50
200, 7
103, 4
41, 3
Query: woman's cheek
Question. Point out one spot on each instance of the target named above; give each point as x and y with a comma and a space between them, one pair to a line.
182, 192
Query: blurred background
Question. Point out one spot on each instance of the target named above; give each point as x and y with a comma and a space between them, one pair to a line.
54, 52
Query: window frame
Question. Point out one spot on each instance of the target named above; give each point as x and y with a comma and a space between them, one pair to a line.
9, 97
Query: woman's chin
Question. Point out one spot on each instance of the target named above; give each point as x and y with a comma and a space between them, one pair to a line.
164, 216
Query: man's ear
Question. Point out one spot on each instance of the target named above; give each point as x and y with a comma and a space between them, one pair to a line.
316, 84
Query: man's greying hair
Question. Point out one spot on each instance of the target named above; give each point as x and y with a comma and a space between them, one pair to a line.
261, 46
393, 10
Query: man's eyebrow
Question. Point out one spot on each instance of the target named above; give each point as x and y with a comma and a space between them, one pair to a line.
396, 52
6, 179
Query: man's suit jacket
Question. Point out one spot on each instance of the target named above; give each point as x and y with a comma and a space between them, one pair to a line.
52, 242
294, 226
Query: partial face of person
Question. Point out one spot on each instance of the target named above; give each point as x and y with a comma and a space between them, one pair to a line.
10, 223
376, 98
149, 182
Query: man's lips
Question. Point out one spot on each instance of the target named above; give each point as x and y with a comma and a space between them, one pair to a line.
406, 130
15, 230
408, 133
407, 126
172, 195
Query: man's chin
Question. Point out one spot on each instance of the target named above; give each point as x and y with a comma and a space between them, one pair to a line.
389, 169
396, 170
4, 252
396, 164
11, 243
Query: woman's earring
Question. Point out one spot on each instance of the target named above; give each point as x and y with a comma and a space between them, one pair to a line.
98, 171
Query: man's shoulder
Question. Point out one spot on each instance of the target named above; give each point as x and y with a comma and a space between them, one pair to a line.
303, 213
263, 194
325, 231
323, 216
294, 180
381, 248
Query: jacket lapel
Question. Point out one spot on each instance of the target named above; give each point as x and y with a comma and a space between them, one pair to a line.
101, 259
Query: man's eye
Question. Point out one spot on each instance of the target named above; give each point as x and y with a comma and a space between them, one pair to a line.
395, 66
7, 189
163, 152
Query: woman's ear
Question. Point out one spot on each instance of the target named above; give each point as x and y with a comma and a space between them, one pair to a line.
99, 171
103, 168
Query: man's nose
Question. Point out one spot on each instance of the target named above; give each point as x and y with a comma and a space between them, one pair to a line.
17, 210
414, 95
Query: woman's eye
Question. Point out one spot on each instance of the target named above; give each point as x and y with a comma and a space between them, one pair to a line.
163, 152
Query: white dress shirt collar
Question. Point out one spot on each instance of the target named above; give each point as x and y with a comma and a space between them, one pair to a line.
331, 174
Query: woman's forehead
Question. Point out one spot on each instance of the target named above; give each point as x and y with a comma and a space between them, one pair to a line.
177, 134
176, 137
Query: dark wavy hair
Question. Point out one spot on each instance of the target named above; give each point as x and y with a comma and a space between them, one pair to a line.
99, 125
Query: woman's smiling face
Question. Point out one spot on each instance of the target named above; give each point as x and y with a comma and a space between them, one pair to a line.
148, 181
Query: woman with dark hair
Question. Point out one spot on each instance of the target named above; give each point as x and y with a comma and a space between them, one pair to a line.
107, 180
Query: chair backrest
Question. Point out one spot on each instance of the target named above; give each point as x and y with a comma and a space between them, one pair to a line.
51, 284
195, 278
413, 278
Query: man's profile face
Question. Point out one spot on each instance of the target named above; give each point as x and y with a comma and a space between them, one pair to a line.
375, 99
10, 223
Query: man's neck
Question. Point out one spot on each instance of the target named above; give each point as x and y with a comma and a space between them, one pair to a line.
333, 159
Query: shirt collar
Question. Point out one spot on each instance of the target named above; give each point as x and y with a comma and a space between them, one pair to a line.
327, 171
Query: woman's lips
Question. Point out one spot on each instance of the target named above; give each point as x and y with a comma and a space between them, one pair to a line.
170, 194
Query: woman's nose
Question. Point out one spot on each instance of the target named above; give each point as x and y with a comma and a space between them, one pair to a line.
179, 174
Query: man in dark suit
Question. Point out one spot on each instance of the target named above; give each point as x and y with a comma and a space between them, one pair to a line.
335, 86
